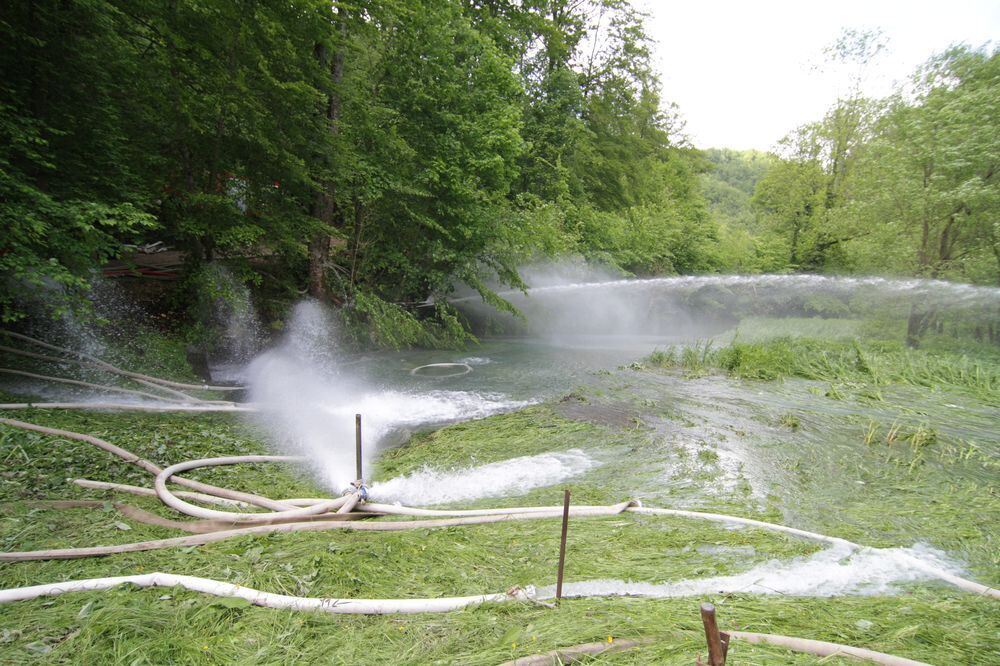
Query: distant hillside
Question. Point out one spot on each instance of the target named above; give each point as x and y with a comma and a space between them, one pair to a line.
728, 186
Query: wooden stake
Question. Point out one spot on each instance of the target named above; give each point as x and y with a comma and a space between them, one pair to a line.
718, 644
357, 444
562, 545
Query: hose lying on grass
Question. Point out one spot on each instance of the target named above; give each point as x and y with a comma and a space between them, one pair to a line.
823, 648
189, 526
316, 510
806, 645
57, 360
77, 382
436, 605
149, 466
175, 502
163, 386
266, 599
314, 526
129, 407
149, 492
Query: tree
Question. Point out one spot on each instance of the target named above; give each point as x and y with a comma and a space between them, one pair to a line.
930, 176
71, 183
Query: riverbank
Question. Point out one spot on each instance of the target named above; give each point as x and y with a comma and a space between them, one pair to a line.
658, 434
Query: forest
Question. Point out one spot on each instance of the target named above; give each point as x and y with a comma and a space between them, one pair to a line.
378, 155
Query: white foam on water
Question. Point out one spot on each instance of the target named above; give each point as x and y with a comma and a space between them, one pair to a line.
404, 408
836, 571
501, 479
475, 360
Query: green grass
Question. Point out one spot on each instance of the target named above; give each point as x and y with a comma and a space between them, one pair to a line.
934, 623
123, 625
931, 622
874, 363
754, 329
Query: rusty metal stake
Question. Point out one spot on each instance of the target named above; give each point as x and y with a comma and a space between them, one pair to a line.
357, 444
562, 545
718, 643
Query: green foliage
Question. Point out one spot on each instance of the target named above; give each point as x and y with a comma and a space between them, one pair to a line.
399, 150
904, 185
758, 361
875, 363
383, 325
930, 174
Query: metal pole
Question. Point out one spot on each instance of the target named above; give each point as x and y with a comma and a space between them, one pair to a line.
718, 644
357, 444
562, 545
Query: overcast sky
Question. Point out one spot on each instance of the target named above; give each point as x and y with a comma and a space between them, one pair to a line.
743, 73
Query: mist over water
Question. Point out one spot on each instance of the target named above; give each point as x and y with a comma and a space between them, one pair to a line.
308, 395
565, 303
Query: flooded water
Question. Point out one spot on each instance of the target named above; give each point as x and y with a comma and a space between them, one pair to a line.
897, 467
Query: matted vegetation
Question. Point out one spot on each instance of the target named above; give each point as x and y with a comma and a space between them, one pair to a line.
877, 363
932, 622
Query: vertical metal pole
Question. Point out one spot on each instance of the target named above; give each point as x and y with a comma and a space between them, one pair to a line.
562, 544
357, 444
717, 645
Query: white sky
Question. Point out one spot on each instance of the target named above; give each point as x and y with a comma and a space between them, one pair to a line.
743, 72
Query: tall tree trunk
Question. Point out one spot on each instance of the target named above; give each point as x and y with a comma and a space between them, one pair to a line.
356, 240
917, 324
324, 206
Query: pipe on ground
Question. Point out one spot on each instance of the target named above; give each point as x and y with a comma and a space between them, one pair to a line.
171, 500
149, 492
93, 360
312, 526
823, 648
189, 526
149, 466
199, 408
77, 382
266, 599
517, 513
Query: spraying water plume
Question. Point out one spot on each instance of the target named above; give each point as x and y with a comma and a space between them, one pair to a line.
567, 302
308, 395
